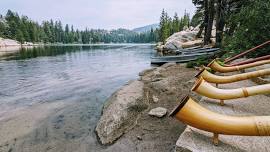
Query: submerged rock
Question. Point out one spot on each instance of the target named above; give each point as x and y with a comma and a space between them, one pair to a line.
120, 112
158, 112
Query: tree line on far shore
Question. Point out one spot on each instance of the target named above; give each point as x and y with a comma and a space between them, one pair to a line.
169, 26
22, 29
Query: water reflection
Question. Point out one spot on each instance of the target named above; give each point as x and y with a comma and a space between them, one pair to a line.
17, 53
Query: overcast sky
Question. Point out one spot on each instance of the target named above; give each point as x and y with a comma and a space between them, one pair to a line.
105, 14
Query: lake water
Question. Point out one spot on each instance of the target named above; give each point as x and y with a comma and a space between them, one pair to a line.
80, 74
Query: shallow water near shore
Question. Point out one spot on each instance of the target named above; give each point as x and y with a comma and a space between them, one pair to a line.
51, 97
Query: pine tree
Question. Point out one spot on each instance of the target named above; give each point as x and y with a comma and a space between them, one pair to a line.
186, 19
23, 27
162, 25
13, 22
19, 36
72, 35
66, 37
176, 23
2, 26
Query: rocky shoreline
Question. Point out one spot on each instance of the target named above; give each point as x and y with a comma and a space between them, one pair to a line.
9, 46
135, 118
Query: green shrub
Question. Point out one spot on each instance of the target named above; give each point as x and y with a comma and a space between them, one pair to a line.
253, 29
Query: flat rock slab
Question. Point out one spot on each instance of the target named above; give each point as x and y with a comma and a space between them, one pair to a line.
196, 140
158, 112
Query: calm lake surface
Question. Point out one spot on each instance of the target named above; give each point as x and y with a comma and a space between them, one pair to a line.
80, 74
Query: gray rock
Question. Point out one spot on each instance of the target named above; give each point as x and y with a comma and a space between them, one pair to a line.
172, 45
191, 28
120, 112
160, 48
166, 65
194, 43
161, 86
181, 40
158, 112
147, 71
185, 28
157, 74
155, 99
197, 28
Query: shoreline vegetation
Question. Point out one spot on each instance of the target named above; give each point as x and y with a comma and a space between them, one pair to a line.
8, 46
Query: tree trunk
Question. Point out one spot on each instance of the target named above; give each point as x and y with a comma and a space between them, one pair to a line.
211, 11
220, 22
206, 18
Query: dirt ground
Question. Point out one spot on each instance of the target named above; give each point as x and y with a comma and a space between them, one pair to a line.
150, 134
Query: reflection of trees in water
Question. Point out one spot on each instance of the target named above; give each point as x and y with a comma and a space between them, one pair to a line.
33, 52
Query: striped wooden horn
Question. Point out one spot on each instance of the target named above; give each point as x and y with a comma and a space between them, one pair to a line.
212, 78
190, 112
214, 65
204, 88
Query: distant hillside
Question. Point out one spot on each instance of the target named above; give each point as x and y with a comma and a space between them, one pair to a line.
146, 28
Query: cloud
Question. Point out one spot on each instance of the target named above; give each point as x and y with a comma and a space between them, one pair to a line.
106, 14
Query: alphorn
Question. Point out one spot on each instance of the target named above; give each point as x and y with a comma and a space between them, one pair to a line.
191, 113
204, 88
246, 52
214, 65
266, 57
212, 78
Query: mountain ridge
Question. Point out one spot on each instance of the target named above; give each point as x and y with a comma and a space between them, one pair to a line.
146, 28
